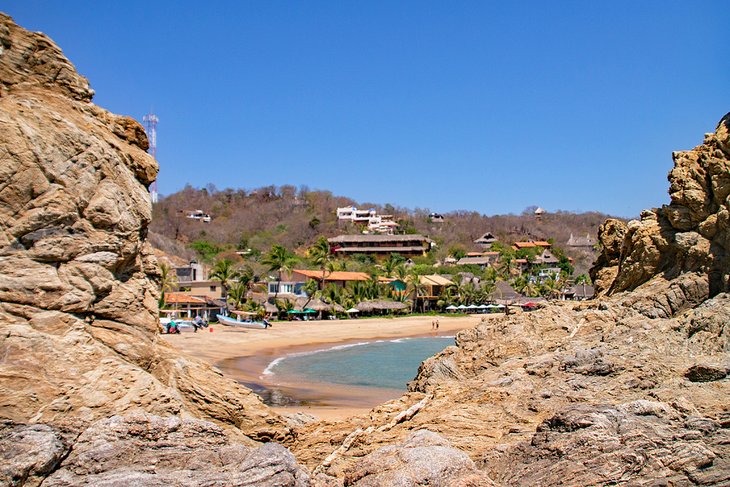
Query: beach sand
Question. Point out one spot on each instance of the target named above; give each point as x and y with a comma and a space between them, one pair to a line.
244, 355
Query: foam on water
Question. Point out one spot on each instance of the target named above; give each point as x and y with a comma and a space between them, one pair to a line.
381, 363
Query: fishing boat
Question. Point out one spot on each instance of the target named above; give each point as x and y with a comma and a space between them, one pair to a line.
237, 322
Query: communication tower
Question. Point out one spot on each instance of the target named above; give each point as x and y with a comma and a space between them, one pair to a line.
150, 124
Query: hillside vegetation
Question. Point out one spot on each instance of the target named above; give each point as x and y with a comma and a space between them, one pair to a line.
254, 220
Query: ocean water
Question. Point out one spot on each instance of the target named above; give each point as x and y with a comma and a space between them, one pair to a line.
387, 364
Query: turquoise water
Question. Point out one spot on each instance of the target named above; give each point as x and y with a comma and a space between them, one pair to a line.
386, 364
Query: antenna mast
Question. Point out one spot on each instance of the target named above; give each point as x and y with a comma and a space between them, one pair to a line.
150, 124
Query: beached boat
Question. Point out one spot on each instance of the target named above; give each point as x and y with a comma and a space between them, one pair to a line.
230, 321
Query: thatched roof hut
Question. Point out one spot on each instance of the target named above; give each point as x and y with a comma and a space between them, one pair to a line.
318, 305
380, 305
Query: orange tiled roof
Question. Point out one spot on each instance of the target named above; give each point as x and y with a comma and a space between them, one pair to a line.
182, 298
542, 243
524, 245
335, 275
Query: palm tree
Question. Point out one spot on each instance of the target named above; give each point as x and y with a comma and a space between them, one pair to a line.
583, 279
311, 287
168, 281
320, 253
279, 260
391, 264
519, 284
237, 294
224, 272
417, 289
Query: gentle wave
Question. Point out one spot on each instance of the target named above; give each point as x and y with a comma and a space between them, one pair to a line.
269, 370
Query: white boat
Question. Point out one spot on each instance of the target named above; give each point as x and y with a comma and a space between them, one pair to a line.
229, 321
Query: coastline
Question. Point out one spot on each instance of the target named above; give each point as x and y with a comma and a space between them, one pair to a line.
245, 354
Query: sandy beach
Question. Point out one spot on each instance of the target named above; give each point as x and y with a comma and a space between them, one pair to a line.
244, 355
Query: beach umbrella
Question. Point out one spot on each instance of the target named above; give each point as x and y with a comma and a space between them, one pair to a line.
293, 311
451, 307
353, 310
499, 306
473, 306
461, 306
483, 306
491, 306
308, 311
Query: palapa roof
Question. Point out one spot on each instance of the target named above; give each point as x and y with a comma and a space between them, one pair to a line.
504, 291
334, 275
380, 305
475, 260
378, 238
488, 237
371, 250
435, 280
318, 305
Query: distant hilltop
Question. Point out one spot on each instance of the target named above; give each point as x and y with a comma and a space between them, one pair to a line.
251, 220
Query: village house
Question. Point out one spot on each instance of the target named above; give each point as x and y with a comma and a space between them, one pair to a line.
586, 241
381, 245
198, 215
292, 285
531, 245
434, 286
185, 305
374, 223
482, 259
486, 241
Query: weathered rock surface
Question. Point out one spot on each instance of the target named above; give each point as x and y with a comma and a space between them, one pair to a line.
688, 235
143, 450
78, 301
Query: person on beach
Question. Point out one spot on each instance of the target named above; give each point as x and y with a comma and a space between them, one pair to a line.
197, 323
433, 324
437, 323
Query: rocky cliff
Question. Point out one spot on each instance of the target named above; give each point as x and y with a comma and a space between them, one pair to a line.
629, 389
78, 302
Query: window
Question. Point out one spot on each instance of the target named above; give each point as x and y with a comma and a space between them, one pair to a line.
213, 288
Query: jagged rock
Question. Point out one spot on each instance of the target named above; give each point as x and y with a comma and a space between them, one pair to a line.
707, 372
28, 453
150, 450
688, 235
611, 237
78, 298
425, 458
627, 445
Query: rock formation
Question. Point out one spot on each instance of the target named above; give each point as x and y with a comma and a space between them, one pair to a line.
79, 338
628, 389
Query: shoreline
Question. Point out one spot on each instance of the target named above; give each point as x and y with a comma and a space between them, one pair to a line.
244, 354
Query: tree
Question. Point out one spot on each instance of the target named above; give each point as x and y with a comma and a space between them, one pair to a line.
416, 289
224, 272
311, 288
168, 281
392, 263
278, 260
583, 280
320, 254
237, 295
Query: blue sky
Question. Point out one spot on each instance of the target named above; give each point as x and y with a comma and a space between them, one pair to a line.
485, 106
